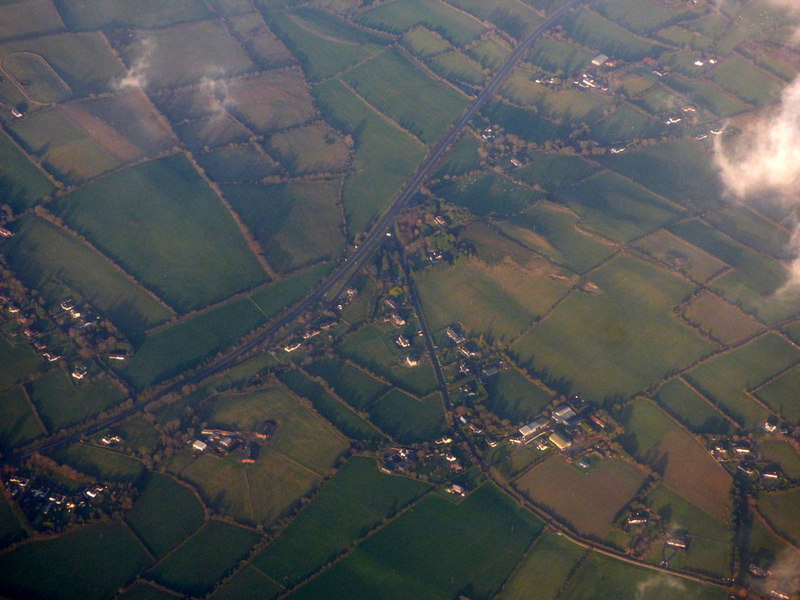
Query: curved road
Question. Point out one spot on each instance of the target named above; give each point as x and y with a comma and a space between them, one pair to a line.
339, 278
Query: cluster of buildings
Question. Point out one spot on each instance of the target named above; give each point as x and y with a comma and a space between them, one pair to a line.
225, 441
740, 456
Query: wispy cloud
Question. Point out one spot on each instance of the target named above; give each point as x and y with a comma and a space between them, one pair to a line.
137, 76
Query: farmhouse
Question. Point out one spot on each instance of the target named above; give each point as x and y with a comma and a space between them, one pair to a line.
118, 356
455, 335
397, 320
411, 362
533, 427
677, 541
5, 233
559, 441
402, 341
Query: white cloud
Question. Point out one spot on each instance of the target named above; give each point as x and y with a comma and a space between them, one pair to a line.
137, 74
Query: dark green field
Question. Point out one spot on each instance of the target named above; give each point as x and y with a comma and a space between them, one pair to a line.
165, 514
18, 424
101, 463
340, 514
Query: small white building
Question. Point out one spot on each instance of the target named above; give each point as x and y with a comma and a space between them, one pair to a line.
200, 446
599, 60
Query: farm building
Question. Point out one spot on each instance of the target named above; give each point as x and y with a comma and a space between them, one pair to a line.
199, 445
599, 60
559, 441
532, 427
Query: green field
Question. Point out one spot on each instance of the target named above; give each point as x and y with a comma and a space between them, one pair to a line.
544, 568
780, 509
471, 293
42, 85
680, 255
96, 560
726, 378
145, 591
407, 419
45, 255
18, 360
747, 81
618, 341
322, 43
684, 464
513, 17
589, 502
783, 454
690, 409
616, 208
625, 124
491, 51
212, 132
21, 183
754, 231
237, 164
463, 158
710, 546
407, 94
296, 224
373, 347
553, 230
424, 43
680, 171
643, 16
180, 55
314, 148
385, 157
721, 320
27, 18
561, 56
430, 552
165, 514
339, 514
92, 14
354, 386
189, 252
488, 193
514, 397
247, 583
10, 528
205, 557
595, 31
708, 96
60, 403
457, 67
18, 423
100, 463
349, 423
171, 350
602, 577
780, 395
399, 16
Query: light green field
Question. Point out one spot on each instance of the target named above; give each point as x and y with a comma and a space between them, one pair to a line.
491, 51
544, 568
783, 454
96, 560
690, 409
385, 157
18, 423
721, 320
339, 514
725, 378
61, 404
464, 157
624, 125
401, 15
296, 224
559, 56
603, 577
780, 509
423, 42
488, 193
455, 66
513, 17
100, 463
407, 94
180, 55
643, 16
190, 253
43, 253
617, 209
212, 132
752, 230
206, 557
618, 341
165, 514
708, 96
589, 502
430, 552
